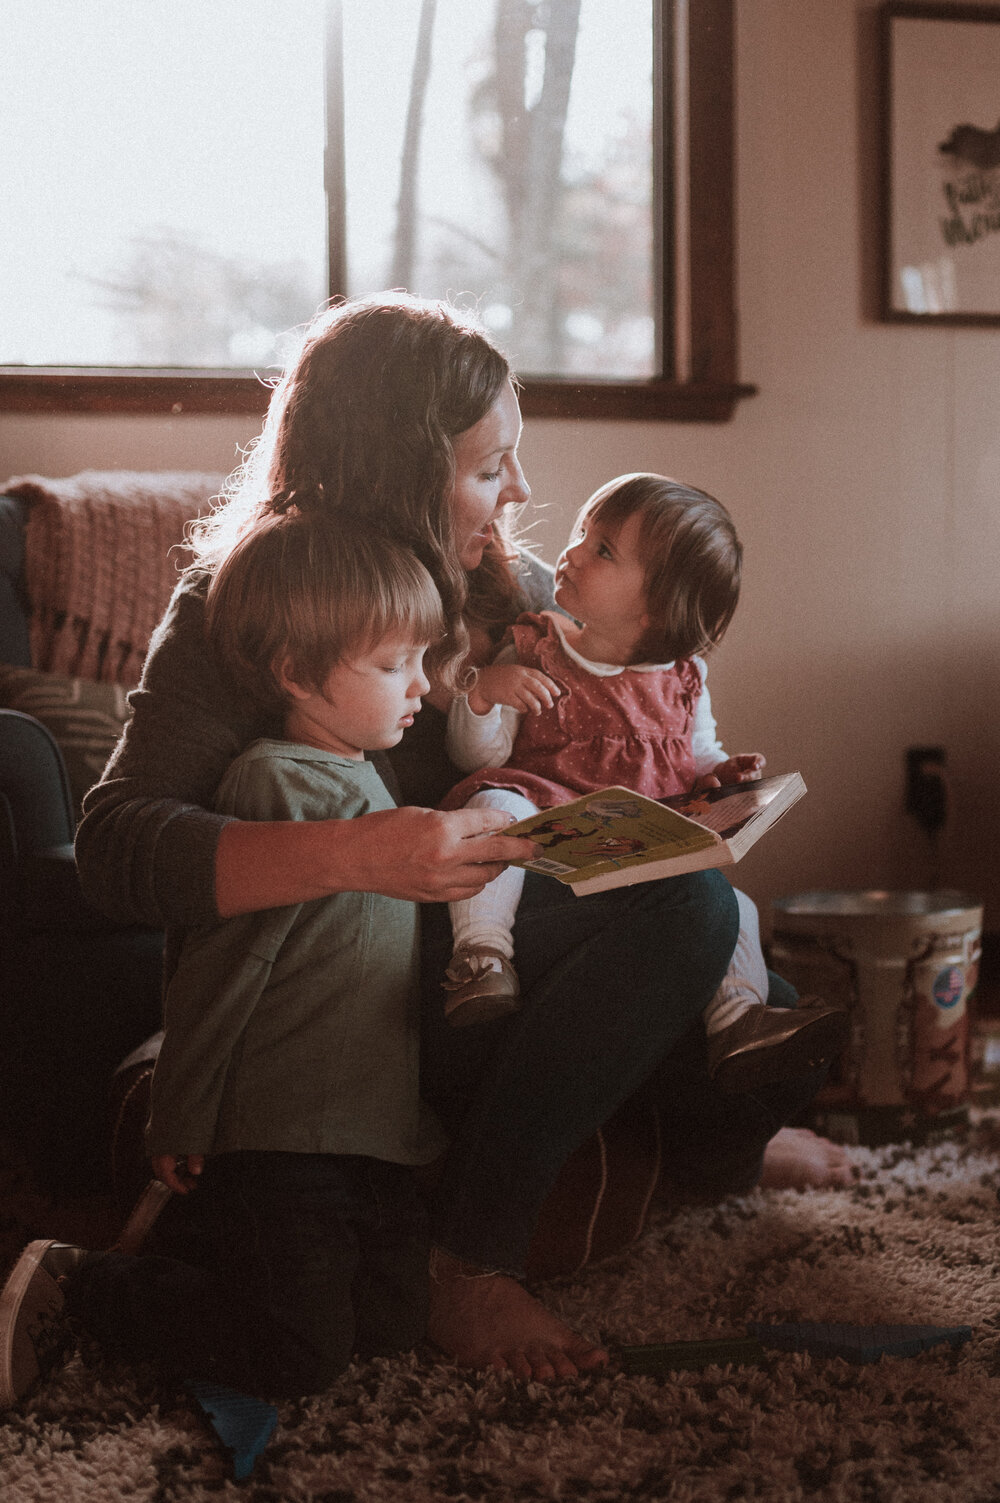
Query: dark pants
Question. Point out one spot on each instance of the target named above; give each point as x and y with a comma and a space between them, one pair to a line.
713, 1142
286, 1264
614, 988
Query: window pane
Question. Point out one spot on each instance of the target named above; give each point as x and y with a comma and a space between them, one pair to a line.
163, 166
502, 150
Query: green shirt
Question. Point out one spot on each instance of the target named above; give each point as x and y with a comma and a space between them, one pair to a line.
296, 1028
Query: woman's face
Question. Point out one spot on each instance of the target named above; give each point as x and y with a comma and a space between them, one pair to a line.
488, 476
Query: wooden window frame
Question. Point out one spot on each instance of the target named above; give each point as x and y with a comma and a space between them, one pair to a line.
695, 297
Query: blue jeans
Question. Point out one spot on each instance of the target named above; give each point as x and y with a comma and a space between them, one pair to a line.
282, 1266
614, 987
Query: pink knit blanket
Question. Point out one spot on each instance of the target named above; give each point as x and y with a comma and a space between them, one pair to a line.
103, 552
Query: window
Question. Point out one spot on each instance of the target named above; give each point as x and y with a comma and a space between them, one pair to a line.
566, 166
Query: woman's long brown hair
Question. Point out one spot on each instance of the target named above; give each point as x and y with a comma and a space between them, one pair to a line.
362, 422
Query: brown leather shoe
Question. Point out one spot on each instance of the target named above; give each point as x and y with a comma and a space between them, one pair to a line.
33, 1335
481, 984
767, 1044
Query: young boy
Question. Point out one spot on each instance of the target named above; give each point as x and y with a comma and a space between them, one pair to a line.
286, 1089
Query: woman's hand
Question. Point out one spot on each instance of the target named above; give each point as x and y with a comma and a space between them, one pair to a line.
745, 767
439, 856
422, 855
178, 1172
524, 689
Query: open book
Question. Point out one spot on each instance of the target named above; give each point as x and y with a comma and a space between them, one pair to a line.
614, 838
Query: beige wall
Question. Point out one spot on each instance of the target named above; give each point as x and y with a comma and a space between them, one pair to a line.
864, 478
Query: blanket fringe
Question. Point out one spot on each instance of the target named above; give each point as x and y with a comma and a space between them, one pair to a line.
103, 552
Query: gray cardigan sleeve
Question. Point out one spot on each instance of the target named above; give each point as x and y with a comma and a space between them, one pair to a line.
146, 845
537, 581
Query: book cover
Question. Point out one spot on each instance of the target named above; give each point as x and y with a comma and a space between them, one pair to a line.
615, 837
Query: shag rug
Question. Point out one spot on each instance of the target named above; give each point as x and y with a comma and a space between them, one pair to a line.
914, 1241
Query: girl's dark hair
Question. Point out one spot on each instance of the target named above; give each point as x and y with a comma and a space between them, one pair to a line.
361, 425
693, 561
300, 589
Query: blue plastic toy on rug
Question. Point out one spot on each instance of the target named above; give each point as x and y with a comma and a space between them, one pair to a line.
243, 1424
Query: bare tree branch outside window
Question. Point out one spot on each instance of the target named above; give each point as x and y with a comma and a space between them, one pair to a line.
406, 207
549, 145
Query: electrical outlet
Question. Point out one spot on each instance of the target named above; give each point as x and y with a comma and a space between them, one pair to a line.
926, 788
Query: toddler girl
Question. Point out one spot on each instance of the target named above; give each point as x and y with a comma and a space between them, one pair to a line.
616, 695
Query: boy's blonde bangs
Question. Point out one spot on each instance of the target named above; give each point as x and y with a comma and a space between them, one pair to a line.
399, 600
305, 595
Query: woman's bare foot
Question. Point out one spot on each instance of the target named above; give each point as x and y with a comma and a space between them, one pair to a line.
797, 1159
488, 1320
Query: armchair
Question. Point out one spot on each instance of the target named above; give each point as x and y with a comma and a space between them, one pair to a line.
77, 991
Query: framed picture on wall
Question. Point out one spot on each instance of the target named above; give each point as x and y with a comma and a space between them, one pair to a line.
941, 196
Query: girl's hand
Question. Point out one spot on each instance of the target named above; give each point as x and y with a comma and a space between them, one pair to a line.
178, 1172
524, 689
746, 767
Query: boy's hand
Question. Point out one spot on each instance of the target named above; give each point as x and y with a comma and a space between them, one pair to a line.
178, 1173
524, 689
745, 767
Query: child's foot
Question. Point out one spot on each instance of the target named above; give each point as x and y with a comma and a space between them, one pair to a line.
767, 1044
488, 1320
797, 1159
32, 1333
481, 984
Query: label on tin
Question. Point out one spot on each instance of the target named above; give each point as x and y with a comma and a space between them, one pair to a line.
948, 987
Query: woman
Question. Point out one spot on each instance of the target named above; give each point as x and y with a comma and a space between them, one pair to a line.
402, 412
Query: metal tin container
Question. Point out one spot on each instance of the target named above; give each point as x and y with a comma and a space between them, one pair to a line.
905, 966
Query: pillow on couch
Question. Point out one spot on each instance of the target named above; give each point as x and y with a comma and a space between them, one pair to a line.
85, 718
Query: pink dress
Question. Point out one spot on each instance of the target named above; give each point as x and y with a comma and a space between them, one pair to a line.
630, 729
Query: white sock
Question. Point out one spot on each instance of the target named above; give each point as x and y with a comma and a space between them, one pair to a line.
745, 983
488, 918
